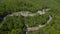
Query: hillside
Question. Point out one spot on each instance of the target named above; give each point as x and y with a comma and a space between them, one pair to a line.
17, 24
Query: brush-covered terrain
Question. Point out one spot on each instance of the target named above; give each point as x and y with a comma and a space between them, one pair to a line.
17, 24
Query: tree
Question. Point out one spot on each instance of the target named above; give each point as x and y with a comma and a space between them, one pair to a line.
12, 25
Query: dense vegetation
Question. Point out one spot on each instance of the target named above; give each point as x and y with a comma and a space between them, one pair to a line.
36, 20
10, 23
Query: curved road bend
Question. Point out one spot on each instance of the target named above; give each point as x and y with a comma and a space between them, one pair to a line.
30, 14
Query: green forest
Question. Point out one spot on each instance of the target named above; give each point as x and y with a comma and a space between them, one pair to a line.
17, 24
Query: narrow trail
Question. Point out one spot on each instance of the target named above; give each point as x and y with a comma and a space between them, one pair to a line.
27, 13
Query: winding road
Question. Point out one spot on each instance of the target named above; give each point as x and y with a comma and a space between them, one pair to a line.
27, 13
